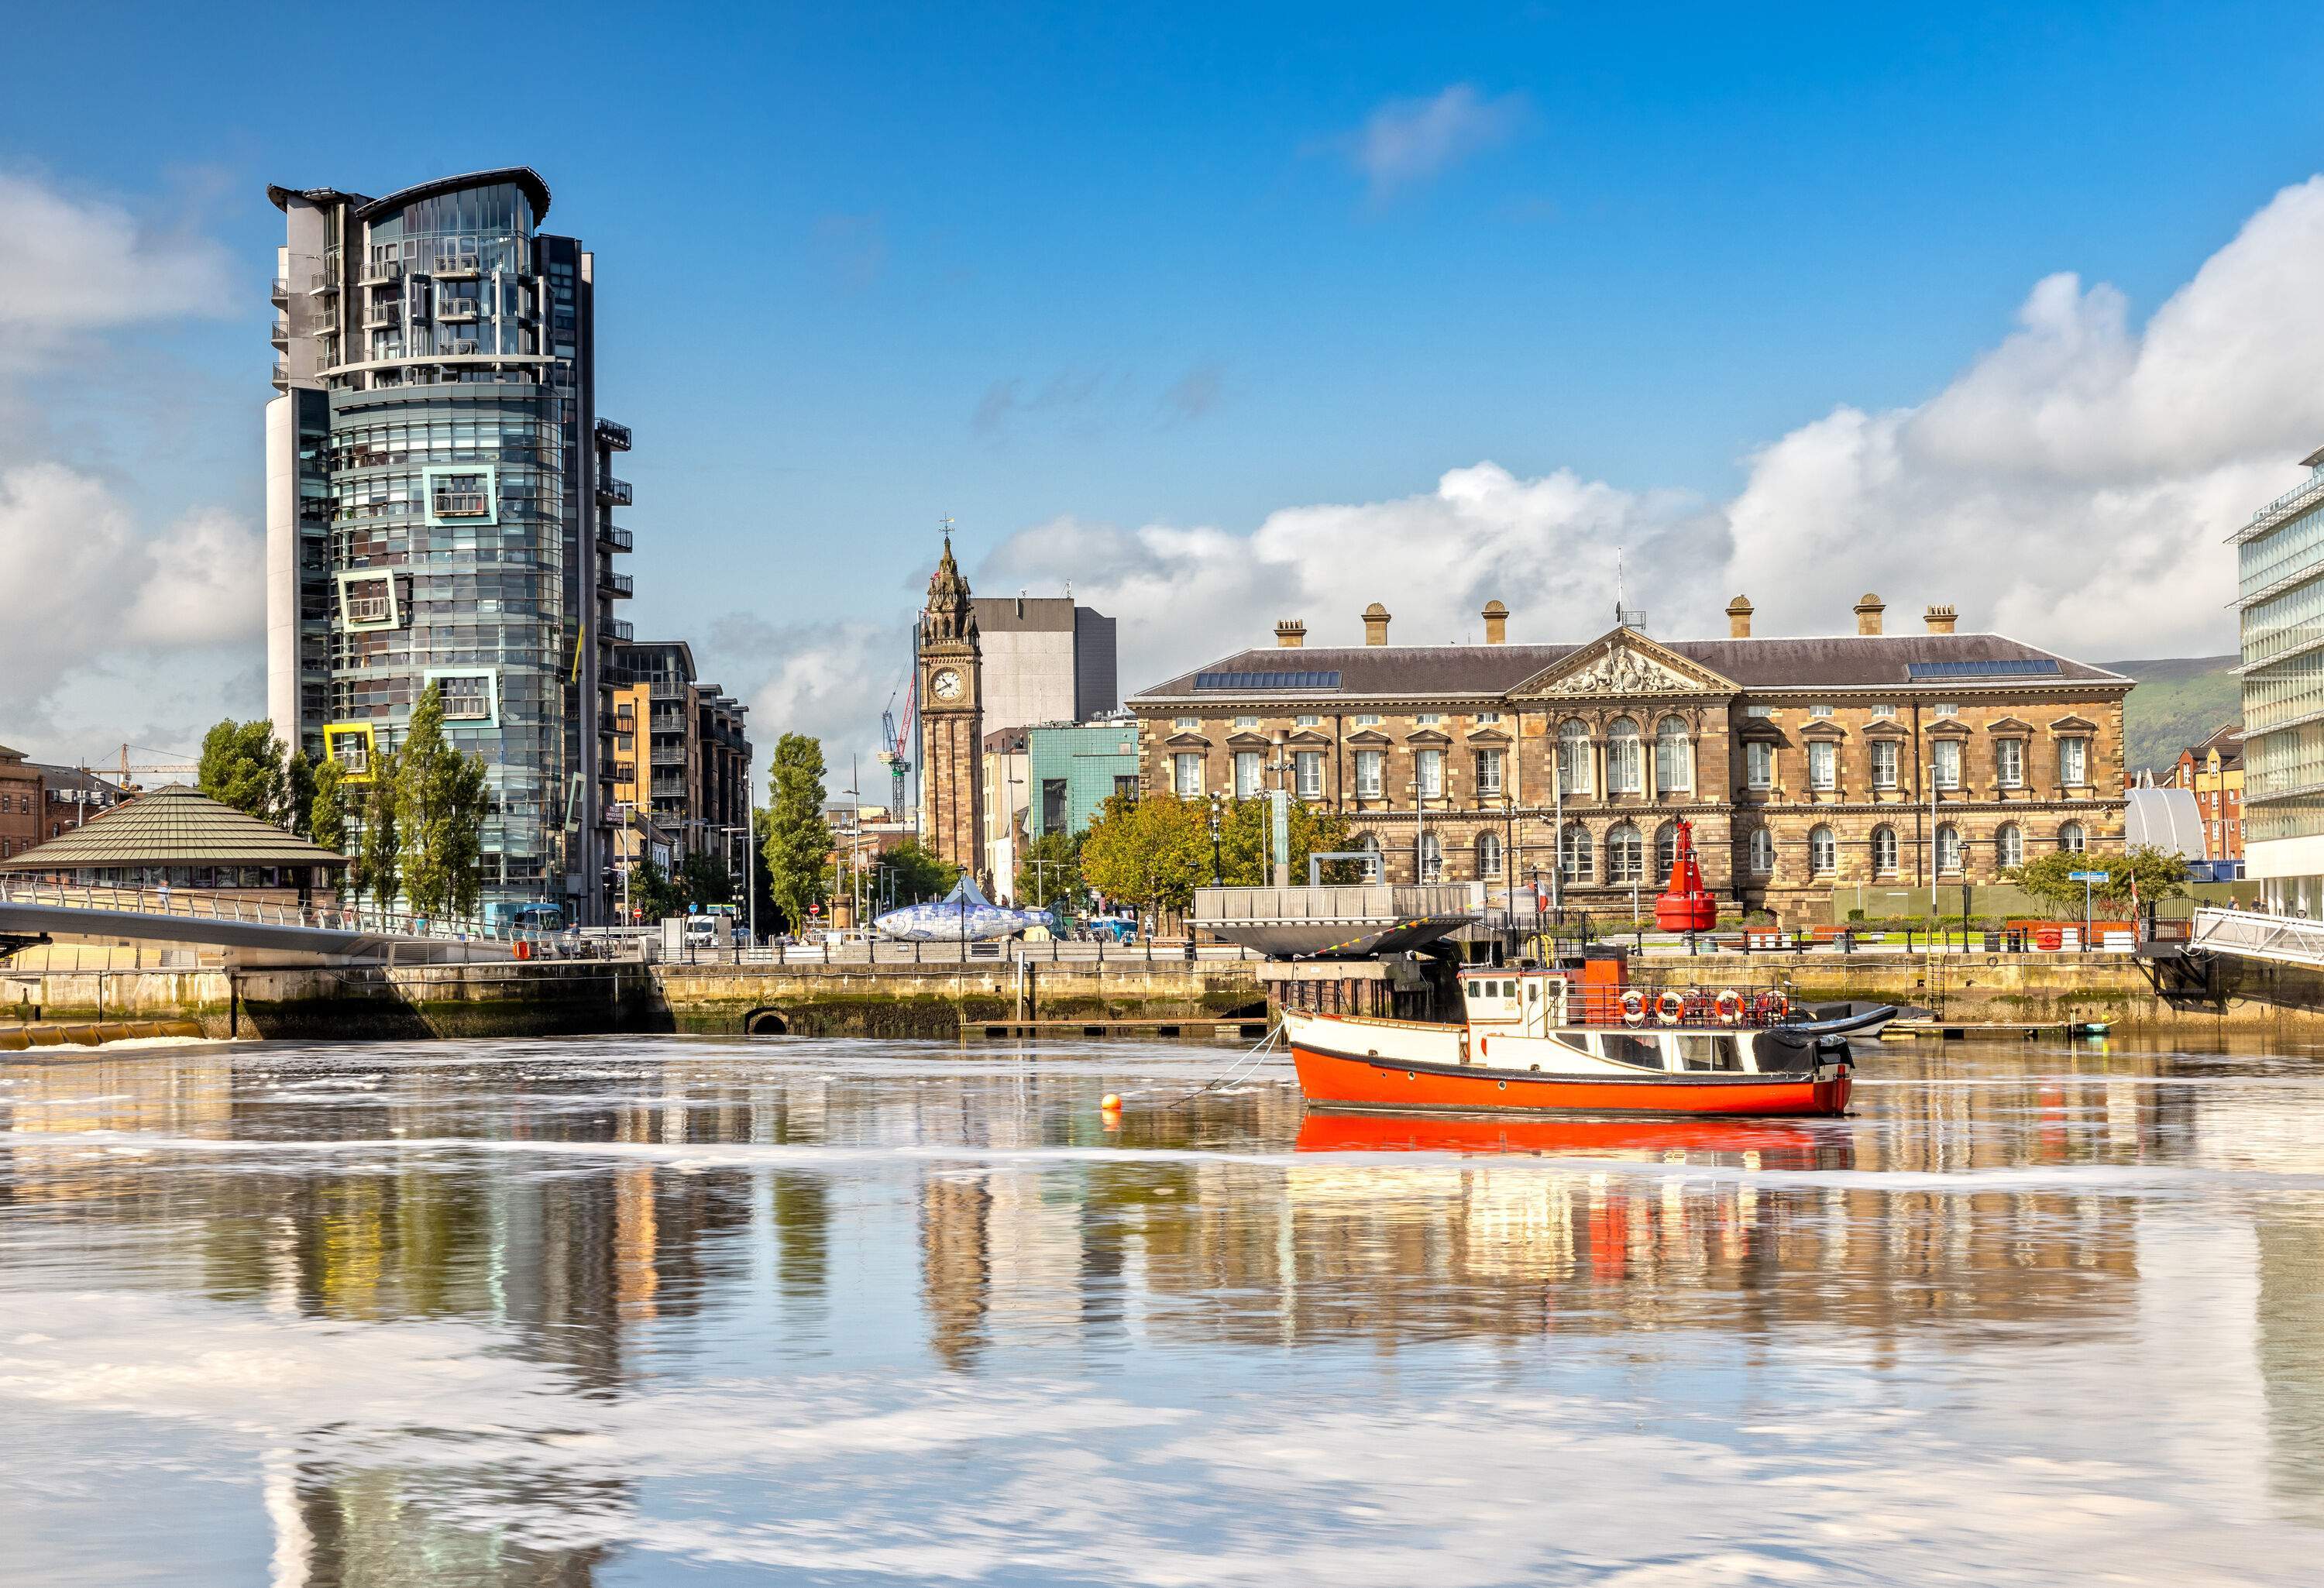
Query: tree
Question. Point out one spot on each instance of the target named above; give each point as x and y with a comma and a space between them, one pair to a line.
920, 874
378, 862
242, 766
1152, 852
299, 794
1050, 871
441, 799
1243, 837
2159, 874
703, 880
327, 815
793, 835
652, 894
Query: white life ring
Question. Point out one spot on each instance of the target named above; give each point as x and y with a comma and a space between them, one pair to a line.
1776, 1006
1728, 1007
1634, 1008
1671, 1007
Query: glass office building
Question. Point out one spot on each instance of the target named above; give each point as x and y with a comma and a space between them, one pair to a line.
439, 509
2280, 570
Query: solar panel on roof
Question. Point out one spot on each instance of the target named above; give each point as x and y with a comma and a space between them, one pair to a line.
1267, 681
2025, 667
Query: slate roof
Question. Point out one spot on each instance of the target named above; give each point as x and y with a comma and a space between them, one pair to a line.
173, 824
1834, 662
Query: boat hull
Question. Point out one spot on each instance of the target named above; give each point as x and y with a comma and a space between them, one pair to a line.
1334, 1080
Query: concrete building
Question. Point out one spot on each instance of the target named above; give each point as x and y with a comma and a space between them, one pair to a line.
439, 508
1872, 762
1004, 772
2213, 773
2279, 580
20, 825
1044, 661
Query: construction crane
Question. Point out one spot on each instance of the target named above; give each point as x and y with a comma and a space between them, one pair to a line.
163, 769
893, 741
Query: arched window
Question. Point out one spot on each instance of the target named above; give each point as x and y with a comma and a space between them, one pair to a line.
1884, 851
1625, 764
1431, 858
1573, 756
1626, 855
1666, 850
1674, 758
1574, 856
1823, 852
2009, 844
1949, 850
1370, 844
1488, 856
1763, 851
2070, 837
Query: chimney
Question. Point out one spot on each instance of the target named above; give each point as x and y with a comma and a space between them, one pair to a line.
1375, 624
1942, 619
1290, 634
1867, 613
1738, 618
1496, 623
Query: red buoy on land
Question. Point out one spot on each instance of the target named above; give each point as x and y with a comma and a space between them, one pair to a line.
1685, 904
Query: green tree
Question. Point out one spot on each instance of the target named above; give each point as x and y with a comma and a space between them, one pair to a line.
1243, 837
794, 835
1049, 872
299, 794
2158, 873
703, 880
379, 859
920, 874
327, 813
441, 800
652, 894
1152, 852
242, 766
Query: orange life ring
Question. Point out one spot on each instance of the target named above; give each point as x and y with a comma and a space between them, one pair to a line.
1729, 1007
1634, 1008
1774, 1006
1671, 1007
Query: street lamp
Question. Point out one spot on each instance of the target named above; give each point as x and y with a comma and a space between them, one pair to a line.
1218, 801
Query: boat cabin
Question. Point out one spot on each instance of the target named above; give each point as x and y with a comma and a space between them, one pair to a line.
1531, 1000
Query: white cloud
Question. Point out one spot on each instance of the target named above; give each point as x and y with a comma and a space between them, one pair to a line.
826, 680
1406, 142
69, 266
2071, 487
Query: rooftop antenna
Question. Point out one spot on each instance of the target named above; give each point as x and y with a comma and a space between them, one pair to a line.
1625, 616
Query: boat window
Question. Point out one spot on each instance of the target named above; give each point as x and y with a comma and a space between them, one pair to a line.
1647, 1052
1709, 1053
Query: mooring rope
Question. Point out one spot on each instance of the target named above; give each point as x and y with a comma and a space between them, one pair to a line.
1241, 1067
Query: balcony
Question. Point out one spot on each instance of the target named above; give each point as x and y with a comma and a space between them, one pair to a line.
369, 609
612, 493
385, 315
379, 273
613, 538
282, 373
621, 586
453, 309
279, 333
461, 505
323, 285
280, 291
455, 266
621, 631
669, 754
613, 436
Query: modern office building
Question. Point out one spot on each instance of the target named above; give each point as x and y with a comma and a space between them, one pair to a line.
1044, 661
1074, 768
439, 508
2280, 578
680, 752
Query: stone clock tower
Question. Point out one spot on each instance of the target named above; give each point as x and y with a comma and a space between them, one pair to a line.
951, 722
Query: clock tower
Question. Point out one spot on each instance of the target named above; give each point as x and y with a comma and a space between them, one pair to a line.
951, 721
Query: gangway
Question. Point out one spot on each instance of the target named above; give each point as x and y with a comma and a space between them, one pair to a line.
2285, 939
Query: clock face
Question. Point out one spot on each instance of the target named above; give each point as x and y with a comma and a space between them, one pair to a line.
946, 685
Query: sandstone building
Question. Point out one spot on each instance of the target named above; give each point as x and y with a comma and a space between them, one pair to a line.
1873, 762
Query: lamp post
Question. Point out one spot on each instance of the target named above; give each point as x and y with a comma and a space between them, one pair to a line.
1218, 801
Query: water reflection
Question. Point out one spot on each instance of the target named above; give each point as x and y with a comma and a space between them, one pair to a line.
575, 1312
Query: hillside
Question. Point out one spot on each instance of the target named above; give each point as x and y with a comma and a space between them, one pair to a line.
2179, 700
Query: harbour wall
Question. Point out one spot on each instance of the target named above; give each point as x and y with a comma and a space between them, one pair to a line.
930, 1001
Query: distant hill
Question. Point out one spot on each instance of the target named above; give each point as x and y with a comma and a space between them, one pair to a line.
2179, 701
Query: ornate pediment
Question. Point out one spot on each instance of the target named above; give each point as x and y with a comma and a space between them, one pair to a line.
1624, 665
1368, 736
1189, 739
2073, 725
1823, 728
2008, 725
1488, 737
1247, 740
1427, 736
1309, 736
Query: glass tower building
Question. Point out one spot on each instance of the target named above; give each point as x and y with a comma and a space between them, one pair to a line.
439, 509
2280, 572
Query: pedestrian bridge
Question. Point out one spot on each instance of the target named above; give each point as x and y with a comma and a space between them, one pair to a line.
239, 930
2286, 939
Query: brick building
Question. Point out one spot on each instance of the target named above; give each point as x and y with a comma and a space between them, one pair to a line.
2213, 772
21, 826
1806, 765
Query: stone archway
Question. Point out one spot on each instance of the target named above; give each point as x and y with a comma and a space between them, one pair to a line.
766, 1022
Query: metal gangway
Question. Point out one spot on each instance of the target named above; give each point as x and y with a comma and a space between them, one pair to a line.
2286, 939
277, 932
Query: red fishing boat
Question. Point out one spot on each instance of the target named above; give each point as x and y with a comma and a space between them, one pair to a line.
1577, 1037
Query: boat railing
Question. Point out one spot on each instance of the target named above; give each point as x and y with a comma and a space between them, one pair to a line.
1699, 1008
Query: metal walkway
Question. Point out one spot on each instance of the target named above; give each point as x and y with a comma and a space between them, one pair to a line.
242, 929
2286, 939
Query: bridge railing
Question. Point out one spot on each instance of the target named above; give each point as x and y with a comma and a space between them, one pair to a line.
193, 904
2263, 936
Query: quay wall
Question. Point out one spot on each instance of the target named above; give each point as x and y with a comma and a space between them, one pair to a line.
942, 1000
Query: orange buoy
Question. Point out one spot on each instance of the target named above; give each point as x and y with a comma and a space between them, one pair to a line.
1109, 1103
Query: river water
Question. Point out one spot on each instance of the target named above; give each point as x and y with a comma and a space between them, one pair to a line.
628, 1311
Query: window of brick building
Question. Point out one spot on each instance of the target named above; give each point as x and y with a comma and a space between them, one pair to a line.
1367, 773
1489, 772
1883, 764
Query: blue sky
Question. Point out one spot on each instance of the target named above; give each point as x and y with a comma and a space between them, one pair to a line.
1139, 266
